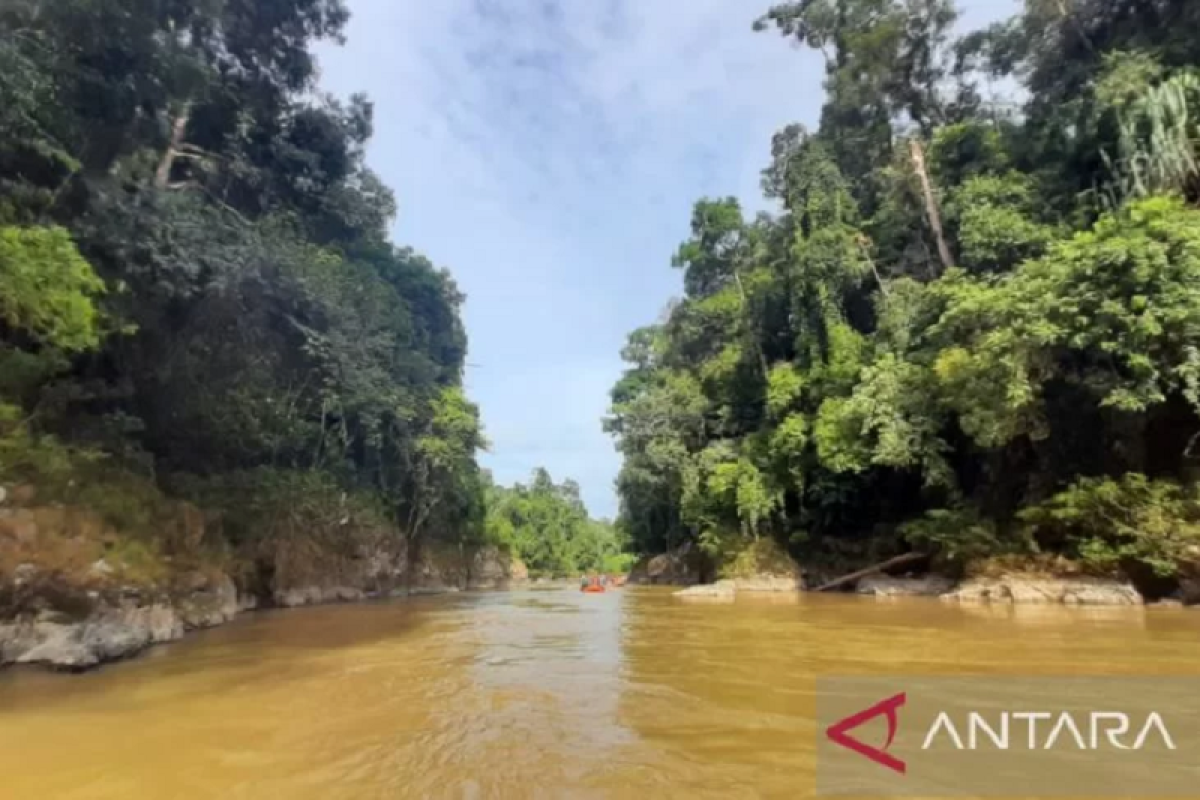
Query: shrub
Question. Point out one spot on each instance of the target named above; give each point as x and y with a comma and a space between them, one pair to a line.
1107, 523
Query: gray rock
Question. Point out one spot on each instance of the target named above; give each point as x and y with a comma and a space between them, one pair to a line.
106, 635
887, 586
209, 603
767, 583
721, 590
679, 567
417, 591
315, 595
1189, 589
1027, 589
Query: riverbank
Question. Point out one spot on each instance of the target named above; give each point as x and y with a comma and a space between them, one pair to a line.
76, 591
764, 567
112, 631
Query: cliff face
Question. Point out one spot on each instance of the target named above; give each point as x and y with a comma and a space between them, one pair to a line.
75, 591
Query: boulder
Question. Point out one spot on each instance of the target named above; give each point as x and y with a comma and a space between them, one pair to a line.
887, 586
108, 634
1040, 589
767, 583
316, 595
679, 567
721, 590
763, 566
211, 601
493, 568
1189, 590
518, 572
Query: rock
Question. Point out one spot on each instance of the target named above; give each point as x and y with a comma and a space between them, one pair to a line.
518, 572
722, 590
767, 583
100, 568
493, 568
1037, 589
247, 602
210, 602
418, 591
887, 586
106, 635
679, 567
23, 574
763, 566
1189, 589
314, 595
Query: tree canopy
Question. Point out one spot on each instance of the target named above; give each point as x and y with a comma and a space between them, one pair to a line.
968, 326
195, 276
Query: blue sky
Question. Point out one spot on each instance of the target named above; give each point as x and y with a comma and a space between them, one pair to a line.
548, 152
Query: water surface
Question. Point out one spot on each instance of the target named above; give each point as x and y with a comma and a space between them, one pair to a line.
537, 693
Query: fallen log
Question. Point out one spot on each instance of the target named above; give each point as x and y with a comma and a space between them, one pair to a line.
907, 558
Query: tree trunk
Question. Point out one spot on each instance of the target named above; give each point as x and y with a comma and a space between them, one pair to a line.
162, 177
907, 558
931, 207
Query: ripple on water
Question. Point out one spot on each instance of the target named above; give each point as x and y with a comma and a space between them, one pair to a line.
522, 694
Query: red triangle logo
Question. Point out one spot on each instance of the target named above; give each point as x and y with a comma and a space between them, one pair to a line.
837, 732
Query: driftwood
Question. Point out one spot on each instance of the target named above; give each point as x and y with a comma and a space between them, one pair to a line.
907, 558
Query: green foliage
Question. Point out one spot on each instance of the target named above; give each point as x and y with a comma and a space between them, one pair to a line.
547, 526
1107, 522
941, 324
274, 343
958, 536
47, 290
997, 231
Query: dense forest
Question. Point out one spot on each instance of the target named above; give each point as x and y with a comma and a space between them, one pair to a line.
972, 326
198, 298
548, 527
199, 301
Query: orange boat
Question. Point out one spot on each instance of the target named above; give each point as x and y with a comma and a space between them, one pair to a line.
594, 588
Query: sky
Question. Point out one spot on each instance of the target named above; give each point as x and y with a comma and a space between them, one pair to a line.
548, 152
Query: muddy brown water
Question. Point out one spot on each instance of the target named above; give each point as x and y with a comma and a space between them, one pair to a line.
533, 693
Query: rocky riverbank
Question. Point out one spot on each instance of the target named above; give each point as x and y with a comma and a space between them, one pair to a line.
763, 567
75, 593
117, 628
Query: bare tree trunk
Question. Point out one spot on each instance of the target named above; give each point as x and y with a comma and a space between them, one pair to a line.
931, 207
862, 245
162, 177
862, 573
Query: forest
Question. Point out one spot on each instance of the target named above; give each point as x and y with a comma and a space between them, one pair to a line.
199, 301
971, 325
547, 525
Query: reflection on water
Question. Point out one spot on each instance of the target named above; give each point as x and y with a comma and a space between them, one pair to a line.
525, 694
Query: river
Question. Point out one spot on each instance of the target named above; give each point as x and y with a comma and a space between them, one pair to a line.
532, 693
